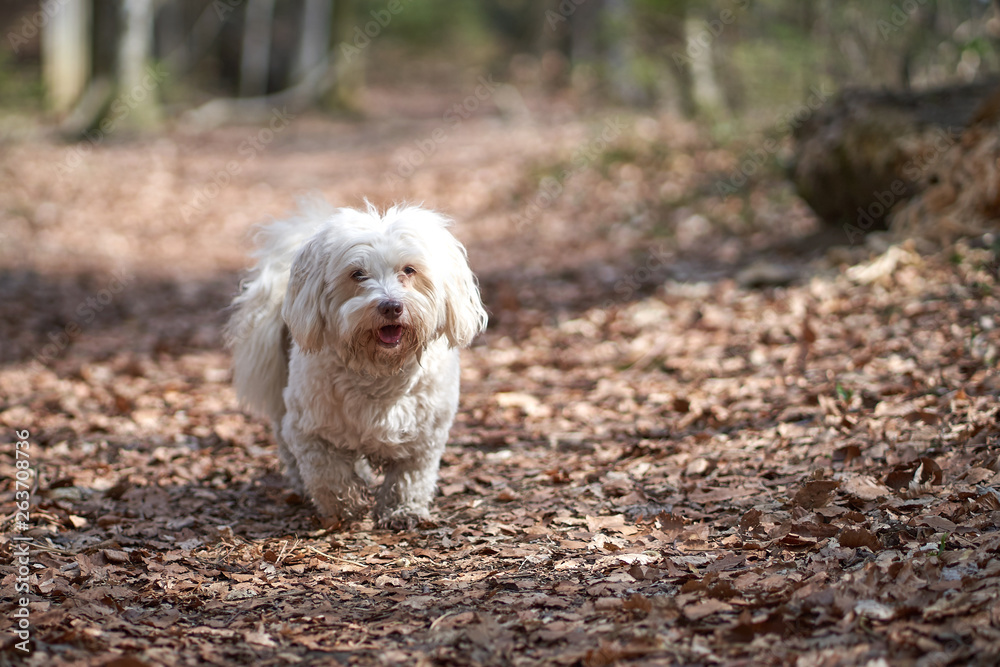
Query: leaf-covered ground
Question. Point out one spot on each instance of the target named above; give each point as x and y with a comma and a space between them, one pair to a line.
696, 432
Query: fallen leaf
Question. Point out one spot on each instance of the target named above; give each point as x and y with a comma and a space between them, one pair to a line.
816, 493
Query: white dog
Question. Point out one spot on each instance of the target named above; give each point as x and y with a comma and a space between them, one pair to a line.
347, 337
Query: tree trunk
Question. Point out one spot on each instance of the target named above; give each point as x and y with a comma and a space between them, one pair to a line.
665, 33
314, 37
136, 107
348, 60
704, 88
171, 33
66, 54
725, 66
255, 58
620, 16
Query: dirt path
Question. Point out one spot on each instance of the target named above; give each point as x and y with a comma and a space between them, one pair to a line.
687, 438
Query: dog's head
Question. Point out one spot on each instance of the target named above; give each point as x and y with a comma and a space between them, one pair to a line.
380, 288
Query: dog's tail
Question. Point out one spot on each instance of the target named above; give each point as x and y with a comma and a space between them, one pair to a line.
256, 333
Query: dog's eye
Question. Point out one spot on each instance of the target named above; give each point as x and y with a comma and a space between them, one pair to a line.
409, 270
359, 275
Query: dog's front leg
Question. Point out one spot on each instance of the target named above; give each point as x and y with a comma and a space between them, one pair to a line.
289, 463
407, 491
328, 475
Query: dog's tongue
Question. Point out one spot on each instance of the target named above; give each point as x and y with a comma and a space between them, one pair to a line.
390, 334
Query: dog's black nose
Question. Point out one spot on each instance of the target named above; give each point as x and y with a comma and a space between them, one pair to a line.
390, 308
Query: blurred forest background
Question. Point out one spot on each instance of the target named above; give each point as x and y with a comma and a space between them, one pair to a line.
845, 100
713, 59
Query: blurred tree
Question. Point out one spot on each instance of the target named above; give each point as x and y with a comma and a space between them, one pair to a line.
314, 37
136, 105
122, 91
66, 54
255, 56
662, 27
347, 78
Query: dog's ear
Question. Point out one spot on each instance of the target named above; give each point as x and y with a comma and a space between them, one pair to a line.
305, 299
464, 315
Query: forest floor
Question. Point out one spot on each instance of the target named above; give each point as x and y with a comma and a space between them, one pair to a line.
699, 430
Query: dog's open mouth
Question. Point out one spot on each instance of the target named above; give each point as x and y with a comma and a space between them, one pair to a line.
390, 335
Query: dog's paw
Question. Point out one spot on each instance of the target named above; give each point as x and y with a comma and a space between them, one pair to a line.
401, 520
335, 524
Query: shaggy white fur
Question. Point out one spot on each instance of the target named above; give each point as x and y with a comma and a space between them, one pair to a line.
347, 337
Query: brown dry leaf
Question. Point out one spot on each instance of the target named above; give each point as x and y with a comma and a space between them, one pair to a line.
126, 661
638, 602
259, 639
115, 556
615, 523
609, 653
914, 476
700, 610
977, 475
162, 619
816, 493
846, 454
938, 523
864, 487
928, 472
746, 629
854, 537
750, 520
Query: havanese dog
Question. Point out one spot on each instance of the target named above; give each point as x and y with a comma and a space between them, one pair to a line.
347, 336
